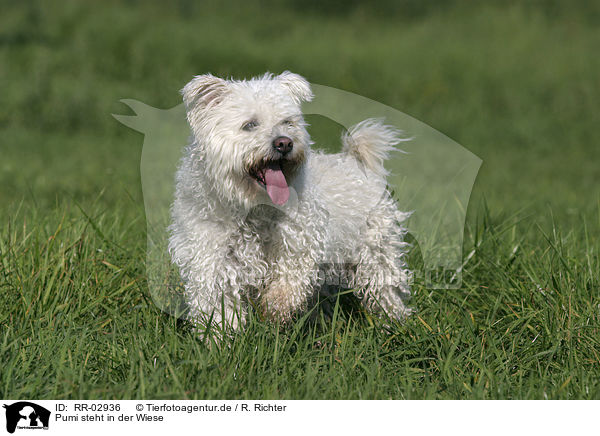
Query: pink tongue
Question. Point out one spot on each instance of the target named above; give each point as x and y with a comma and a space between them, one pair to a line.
277, 187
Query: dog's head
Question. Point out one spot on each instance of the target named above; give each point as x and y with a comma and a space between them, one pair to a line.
250, 133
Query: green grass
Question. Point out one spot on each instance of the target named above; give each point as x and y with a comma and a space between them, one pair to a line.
516, 84
77, 322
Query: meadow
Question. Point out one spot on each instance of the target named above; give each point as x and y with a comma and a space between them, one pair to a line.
515, 83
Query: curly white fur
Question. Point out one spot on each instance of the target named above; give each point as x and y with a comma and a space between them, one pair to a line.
230, 242
371, 142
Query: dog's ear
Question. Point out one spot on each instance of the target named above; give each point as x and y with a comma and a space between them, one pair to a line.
205, 89
298, 86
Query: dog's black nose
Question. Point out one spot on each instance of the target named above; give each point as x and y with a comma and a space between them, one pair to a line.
283, 144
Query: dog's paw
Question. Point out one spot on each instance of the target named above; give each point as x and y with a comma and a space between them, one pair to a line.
281, 301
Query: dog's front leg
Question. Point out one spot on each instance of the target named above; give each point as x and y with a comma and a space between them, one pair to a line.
213, 302
293, 279
212, 275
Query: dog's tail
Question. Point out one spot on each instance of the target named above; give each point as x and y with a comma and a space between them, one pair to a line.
370, 142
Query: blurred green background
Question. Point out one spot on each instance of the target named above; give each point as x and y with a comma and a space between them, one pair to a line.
515, 83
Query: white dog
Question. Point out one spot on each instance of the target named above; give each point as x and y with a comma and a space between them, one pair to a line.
259, 217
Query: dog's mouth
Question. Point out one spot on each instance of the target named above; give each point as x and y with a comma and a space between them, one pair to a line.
270, 176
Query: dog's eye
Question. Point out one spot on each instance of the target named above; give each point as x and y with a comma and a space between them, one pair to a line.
250, 125
288, 122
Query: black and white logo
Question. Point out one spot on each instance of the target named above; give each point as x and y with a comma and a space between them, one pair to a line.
26, 415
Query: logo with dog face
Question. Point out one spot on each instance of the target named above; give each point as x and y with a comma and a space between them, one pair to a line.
26, 415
